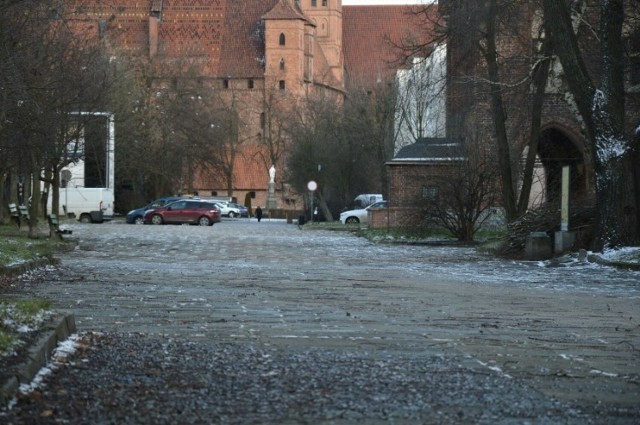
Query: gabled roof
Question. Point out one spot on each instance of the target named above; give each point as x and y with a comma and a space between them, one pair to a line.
284, 10
371, 36
432, 149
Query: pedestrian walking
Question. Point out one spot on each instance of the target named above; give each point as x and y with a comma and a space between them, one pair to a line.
259, 214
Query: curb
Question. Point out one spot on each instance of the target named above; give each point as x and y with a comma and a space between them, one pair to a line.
27, 266
38, 355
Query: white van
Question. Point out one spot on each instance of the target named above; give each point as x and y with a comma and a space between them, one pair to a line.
87, 204
365, 199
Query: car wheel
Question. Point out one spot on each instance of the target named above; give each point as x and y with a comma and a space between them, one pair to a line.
85, 218
352, 220
232, 214
156, 219
138, 220
204, 221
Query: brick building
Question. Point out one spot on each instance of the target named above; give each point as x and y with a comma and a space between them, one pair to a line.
469, 115
260, 52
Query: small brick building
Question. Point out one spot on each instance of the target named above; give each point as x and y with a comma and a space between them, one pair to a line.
412, 175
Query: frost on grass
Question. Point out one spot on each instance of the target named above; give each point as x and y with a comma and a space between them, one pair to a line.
17, 320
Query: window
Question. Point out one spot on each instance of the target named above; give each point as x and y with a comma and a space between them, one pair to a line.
314, 3
262, 120
250, 84
430, 193
282, 40
225, 84
324, 3
281, 64
281, 84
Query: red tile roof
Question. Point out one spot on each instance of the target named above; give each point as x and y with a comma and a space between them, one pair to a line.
242, 41
371, 36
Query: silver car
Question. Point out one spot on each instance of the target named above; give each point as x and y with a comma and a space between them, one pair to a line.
228, 210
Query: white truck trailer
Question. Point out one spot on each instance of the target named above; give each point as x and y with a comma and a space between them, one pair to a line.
89, 204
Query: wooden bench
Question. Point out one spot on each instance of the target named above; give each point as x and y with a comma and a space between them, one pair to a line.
54, 227
19, 213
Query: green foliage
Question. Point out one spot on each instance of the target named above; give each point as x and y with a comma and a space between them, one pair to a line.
7, 341
32, 305
16, 247
19, 317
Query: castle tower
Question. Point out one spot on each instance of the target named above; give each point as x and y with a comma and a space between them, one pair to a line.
327, 17
288, 48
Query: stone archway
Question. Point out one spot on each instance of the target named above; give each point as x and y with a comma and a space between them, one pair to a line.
556, 150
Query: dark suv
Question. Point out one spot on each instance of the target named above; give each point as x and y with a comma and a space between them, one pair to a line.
137, 216
184, 211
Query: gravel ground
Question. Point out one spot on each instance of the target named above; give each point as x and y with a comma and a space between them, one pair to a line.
247, 323
147, 379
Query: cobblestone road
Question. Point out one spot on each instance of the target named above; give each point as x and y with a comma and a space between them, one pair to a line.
568, 333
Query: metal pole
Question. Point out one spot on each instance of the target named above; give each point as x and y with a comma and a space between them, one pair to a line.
564, 209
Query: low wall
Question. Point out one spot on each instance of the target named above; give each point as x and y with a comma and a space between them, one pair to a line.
393, 217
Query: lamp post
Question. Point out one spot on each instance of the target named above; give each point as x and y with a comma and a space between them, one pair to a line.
311, 186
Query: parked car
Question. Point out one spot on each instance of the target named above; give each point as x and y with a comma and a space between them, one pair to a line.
244, 211
227, 209
184, 211
360, 215
365, 199
137, 216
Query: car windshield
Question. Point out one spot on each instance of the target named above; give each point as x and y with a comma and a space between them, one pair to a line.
379, 204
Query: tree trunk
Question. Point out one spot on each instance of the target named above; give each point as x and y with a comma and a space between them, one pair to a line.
499, 117
602, 111
34, 206
540, 77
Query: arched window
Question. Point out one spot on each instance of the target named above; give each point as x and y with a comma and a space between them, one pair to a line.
282, 39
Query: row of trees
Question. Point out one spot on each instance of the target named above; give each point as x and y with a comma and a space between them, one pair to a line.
494, 64
47, 75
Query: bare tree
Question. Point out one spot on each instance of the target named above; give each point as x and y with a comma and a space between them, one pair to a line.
491, 70
461, 199
51, 72
601, 105
421, 106
318, 150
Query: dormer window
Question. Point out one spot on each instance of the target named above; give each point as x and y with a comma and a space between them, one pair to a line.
282, 40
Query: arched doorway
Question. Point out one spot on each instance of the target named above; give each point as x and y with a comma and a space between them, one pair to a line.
555, 151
